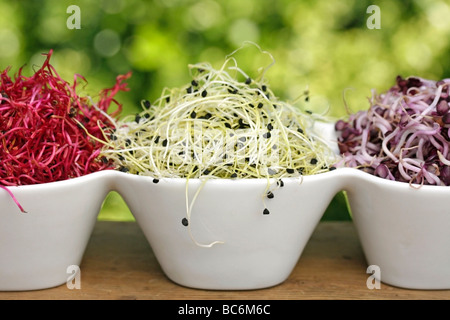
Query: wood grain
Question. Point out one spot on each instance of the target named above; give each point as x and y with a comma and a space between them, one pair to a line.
119, 264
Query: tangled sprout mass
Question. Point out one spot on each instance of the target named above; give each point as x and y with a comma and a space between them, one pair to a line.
404, 135
46, 127
223, 124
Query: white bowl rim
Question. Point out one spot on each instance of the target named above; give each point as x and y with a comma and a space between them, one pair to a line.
61, 183
340, 172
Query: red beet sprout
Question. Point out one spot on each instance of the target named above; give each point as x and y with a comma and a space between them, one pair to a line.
404, 135
44, 125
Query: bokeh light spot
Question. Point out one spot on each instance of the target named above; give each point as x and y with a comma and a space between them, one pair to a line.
113, 6
204, 14
438, 15
243, 30
107, 43
10, 43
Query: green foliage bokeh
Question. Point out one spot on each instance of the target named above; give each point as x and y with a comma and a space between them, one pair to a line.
325, 46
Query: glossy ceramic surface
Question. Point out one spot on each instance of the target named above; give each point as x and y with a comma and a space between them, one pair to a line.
38, 247
256, 250
403, 229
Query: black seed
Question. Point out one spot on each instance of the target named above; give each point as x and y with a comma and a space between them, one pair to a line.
266, 211
275, 106
104, 160
147, 104
308, 111
251, 105
121, 158
157, 139
124, 169
206, 172
300, 130
4, 95
270, 195
269, 127
313, 161
189, 90
243, 125
227, 125
264, 87
72, 112
332, 168
208, 115
280, 183
113, 137
167, 99
147, 115
446, 118
193, 114
248, 81
137, 118
155, 180
185, 222
204, 93
267, 135
289, 170
164, 143
194, 83
307, 98
128, 142
234, 175
260, 105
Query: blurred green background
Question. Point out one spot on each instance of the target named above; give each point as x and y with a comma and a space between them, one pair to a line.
325, 46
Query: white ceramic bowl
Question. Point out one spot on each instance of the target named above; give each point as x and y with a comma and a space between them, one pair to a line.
258, 250
404, 230
37, 247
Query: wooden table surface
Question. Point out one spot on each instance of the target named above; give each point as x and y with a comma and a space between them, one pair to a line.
119, 264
